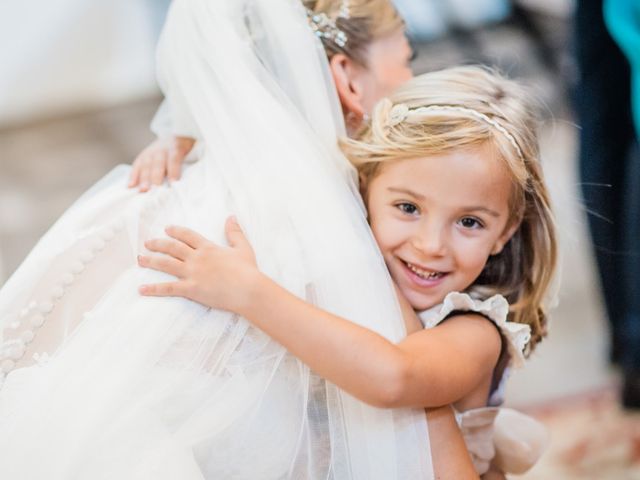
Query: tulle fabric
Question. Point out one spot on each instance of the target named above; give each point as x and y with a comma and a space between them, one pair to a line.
102, 383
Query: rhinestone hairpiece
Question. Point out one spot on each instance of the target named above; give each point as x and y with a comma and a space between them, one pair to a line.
325, 27
401, 112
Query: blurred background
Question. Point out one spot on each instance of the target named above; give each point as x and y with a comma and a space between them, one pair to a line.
77, 93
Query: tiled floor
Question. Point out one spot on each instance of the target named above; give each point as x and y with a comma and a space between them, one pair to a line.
45, 166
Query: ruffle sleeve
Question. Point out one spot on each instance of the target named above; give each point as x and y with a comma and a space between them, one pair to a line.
496, 309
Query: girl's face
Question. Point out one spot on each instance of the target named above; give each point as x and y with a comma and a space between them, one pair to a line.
438, 219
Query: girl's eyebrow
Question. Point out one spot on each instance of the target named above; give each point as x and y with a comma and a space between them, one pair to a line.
493, 213
407, 192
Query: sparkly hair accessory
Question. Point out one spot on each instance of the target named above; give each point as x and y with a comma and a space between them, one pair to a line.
401, 112
325, 27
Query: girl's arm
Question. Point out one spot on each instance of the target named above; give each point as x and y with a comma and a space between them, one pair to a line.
451, 460
429, 368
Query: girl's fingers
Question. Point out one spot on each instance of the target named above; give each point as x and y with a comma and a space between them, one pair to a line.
162, 264
171, 289
238, 241
234, 233
158, 167
174, 248
188, 236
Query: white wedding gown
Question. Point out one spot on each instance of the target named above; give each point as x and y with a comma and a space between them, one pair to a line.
101, 383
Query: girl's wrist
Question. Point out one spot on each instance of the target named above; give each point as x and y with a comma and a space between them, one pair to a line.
255, 286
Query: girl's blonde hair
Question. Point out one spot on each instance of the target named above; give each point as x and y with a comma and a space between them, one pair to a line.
368, 20
467, 107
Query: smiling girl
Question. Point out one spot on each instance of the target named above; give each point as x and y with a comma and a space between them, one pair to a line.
456, 201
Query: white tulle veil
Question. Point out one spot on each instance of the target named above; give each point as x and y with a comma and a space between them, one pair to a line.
100, 383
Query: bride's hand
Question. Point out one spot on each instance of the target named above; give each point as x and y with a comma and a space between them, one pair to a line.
213, 275
161, 159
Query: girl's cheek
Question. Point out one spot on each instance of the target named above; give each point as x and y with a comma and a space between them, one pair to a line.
385, 226
471, 251
477, 251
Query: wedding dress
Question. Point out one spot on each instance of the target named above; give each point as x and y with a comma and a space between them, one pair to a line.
101, 383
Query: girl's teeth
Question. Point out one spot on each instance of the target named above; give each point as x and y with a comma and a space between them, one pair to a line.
423, 273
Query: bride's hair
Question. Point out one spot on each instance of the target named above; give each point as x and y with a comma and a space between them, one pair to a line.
466, 107
367, 21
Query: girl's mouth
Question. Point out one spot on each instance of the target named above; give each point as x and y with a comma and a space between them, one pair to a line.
422, 277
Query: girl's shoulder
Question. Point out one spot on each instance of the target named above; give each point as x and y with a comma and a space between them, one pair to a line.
516, 336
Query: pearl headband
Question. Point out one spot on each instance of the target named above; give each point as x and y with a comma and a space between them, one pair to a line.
401, 112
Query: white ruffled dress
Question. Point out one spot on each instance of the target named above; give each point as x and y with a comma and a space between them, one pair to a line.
511, 440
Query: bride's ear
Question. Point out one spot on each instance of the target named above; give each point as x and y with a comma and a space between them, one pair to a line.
347, 78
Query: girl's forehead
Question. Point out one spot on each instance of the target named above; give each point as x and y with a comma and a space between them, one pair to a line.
475, 174
481, 162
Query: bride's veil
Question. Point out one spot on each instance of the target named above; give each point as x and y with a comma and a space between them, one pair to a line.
103, 383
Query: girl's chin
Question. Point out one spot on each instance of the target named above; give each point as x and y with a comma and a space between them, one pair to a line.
420, 301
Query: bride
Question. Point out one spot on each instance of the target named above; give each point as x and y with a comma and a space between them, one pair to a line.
99, 382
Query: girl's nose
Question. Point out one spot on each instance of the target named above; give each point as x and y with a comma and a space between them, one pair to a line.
431, 240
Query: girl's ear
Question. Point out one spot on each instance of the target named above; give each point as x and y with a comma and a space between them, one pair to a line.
346, 76
505, 237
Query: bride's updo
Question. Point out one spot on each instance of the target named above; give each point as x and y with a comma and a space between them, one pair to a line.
367, 20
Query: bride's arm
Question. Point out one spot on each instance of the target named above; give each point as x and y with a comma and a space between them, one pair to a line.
429, 368
160, 160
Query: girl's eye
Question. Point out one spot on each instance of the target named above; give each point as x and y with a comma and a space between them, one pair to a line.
408, 208
470, 223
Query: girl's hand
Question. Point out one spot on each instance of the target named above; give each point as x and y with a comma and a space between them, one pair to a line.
162, 159
213, 275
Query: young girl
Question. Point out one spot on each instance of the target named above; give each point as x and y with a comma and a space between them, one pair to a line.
456, 202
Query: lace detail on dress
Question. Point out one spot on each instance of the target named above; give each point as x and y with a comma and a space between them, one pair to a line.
15, 340
496, 309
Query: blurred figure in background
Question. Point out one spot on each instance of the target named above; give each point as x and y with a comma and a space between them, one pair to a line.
610, 176
623, 21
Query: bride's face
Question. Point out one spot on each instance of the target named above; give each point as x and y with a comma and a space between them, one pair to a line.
388, 67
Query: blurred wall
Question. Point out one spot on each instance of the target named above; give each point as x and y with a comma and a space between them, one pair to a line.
59, 56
